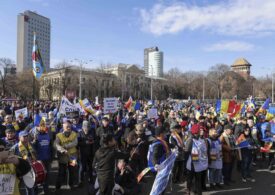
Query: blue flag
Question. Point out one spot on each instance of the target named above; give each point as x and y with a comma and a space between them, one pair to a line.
137, 106
163, 174
218, 106
37, 120
244, 144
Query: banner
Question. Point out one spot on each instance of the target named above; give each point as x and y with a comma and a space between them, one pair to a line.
86, 105
152, 113
110, 105
66, 106
21, 113
163, 174
81, 110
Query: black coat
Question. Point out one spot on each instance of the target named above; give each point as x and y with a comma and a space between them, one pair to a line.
104, 164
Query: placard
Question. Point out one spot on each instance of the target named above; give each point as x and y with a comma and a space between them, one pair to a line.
153, 113
7, 183
110, 105
21, 113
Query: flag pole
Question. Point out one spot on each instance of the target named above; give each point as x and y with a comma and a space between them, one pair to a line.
33, 84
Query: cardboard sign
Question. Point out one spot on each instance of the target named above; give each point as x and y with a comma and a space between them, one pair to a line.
7, 183
110, 105
21, 113
153, 113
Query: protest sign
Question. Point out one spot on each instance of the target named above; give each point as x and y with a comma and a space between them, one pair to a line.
21, 113
7, 183
110, 105
152, 113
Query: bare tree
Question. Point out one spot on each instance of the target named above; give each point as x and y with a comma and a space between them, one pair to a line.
5, 65
216, 74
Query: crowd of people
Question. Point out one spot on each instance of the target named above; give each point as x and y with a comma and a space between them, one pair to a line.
114, 153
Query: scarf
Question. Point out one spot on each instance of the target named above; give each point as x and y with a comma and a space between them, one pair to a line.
178, 139
166, 148
25, 151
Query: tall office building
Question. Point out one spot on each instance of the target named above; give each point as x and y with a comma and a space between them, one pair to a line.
155, 64
28, 23
146, 58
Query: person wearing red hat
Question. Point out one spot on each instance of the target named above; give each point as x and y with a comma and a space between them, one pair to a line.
197, 155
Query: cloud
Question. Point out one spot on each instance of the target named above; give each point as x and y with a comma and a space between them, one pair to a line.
234, 17
230, 46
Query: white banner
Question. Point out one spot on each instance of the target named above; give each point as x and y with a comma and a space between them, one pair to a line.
66, 106
21, 112
110, 105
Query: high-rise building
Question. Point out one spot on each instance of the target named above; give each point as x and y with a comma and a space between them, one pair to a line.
28, 23
155, 64
146, 58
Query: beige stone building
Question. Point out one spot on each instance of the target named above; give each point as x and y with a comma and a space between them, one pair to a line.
121, 80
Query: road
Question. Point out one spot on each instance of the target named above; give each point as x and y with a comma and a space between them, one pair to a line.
264, 185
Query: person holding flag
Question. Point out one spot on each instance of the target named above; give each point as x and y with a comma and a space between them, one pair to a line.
246, 143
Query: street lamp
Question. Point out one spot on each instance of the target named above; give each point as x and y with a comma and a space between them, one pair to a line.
151, 81
81, 64
272, 88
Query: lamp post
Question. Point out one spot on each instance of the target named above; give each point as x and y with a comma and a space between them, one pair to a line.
81, 64
151, 81
272, 87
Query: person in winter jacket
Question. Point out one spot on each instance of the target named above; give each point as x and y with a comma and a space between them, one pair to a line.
104, 164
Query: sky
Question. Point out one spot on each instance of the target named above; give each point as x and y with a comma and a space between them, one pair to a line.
193, 34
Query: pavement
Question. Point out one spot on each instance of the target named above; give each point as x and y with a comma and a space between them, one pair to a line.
264, 184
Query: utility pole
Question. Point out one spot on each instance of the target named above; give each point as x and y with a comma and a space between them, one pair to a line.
81, 63
203, 88
151, 77
273, 87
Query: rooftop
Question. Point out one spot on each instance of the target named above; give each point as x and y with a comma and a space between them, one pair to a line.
241, 62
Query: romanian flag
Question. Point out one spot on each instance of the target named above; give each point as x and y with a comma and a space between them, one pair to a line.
37, 63
264, 107
237, 110
128, 104
225, 106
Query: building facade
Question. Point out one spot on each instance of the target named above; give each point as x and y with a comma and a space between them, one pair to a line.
146, 58
28, 23
242, 67
121, 80
155, 64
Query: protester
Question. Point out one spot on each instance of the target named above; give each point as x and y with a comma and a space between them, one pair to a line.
215, 160
13, 167
228, 146
86, 144
176, 141
104, 163
66, 143
247, 154
196, 153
